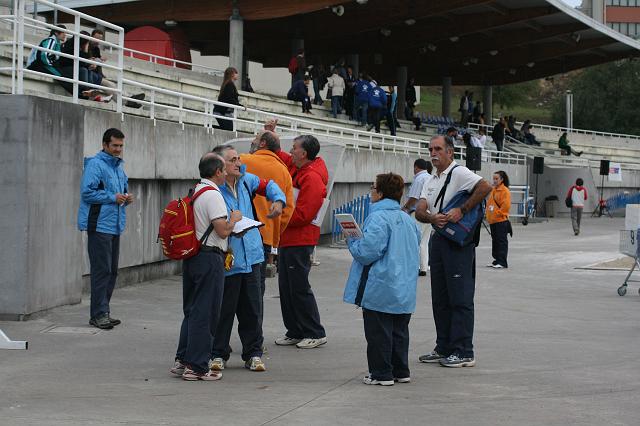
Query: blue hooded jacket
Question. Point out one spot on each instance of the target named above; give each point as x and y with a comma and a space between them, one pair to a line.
248, 249
378, 98
102, 179
384, 272
362, 90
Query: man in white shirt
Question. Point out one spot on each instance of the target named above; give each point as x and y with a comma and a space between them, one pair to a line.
452, 266
203, 274
422, 174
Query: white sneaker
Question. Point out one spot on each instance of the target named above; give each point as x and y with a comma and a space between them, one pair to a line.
217, 364
497, 266
402, 379
369, 381
287, 341
311, 343
490, 265
255, 364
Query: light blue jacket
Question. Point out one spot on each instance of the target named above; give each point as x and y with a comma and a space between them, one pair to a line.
248, 250
389, 252
102, 179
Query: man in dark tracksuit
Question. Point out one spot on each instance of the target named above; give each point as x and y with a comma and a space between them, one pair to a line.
452, 266
103, 198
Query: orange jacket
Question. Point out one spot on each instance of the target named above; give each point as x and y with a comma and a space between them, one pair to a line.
498, 205
267, 165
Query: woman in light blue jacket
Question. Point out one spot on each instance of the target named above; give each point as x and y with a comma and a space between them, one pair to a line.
383, 280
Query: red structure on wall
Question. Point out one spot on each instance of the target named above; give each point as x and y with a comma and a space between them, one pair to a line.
152, 40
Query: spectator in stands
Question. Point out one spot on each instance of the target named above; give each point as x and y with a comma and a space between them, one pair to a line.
498, 134
452, 132
299, 92
410, 99
96, 55
480, 140
464, 108
421, 174
319, 80
86, 72
529, 138
229, 95
242, 295
510, 127
578, 195
392, 103
383, 280
377, 103
104, 197
299, 307
298, 66
246, 86
349, 93
565, 148
203, 275
266, 164
477, 110
46, 62
481, 120
361, 105
470, 108
497, 213
336, 86
452, 266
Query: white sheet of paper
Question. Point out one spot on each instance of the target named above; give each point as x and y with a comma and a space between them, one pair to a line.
349, 225
317, 221
245, 224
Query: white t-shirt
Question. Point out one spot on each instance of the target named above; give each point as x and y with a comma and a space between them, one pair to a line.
416, 187
462, 179
207, 207
478, 141
578, 197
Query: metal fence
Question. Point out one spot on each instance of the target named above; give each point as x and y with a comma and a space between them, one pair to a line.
620, 201
359, 208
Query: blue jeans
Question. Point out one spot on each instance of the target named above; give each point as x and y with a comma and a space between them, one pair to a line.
104, 250
202, 290
360, 111
452, 291
336, 102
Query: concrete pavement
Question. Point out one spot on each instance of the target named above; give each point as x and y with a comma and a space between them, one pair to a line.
554, 346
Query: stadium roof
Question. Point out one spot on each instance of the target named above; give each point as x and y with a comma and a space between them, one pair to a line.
472, 41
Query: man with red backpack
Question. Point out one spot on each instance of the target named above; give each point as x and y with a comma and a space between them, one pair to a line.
297, 66
203, 273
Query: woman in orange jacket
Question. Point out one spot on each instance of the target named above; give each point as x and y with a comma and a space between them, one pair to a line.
498, 207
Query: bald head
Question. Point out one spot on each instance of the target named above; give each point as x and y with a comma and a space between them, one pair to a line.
266, 140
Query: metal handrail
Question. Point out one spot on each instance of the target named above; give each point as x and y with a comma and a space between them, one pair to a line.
578, 131
153, 58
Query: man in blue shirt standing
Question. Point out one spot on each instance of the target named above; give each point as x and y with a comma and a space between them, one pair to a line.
377, 102
242, 289
103, 198
361, 104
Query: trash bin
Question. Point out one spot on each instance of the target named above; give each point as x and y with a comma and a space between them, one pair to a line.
550, 205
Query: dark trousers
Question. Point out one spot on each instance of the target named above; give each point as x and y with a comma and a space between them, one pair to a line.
387, 344
374, 118
306, 104
317, 99
336, 102
452, 291
360, 111
104, 250
242, 298
297, 302
202, 290
499, 242
391, 122
263, 279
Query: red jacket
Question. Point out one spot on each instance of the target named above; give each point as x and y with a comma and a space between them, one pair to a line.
311, 180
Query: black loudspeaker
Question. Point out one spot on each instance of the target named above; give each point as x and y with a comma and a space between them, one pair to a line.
474, 158
538, 165
604, 167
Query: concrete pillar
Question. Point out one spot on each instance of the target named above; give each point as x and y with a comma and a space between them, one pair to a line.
598, 11
401, 79
446, 96
487, 104
236, 42
353, 59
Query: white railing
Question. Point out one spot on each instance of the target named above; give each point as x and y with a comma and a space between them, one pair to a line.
157, 59
577, 131
200, 110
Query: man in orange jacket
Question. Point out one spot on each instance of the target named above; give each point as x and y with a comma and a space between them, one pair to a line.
265, 163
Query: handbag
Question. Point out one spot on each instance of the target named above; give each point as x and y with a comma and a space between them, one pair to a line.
461, 233
568, 202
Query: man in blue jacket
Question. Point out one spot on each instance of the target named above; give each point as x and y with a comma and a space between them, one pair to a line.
103, 198
377, 103
242, 289
361, 104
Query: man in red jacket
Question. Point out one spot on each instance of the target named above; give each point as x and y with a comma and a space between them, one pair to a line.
297, 302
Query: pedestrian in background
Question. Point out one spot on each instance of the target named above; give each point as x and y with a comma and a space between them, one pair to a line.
422, 173
497, 213
578, 195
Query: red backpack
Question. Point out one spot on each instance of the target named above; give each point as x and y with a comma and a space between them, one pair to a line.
293, 65
177, 232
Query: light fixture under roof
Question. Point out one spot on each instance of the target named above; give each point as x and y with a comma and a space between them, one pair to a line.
385, 32
473, 60
410, 21
170, 23
512, 71
362, 1
454, 39
493, 52
531, 64
465, 63
432, 47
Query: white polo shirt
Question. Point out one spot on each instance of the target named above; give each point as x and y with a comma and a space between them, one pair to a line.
207, 207
462, 179
416, 187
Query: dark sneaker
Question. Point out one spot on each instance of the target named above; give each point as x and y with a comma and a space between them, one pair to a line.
367, 380
101, 322
208, 376
178, 368
114, 321
456, 361
432, 356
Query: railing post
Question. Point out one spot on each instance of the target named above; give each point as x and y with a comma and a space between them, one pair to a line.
120, 69
14, 29
76, 55
235, 117
180, 106
20, 11
152, 113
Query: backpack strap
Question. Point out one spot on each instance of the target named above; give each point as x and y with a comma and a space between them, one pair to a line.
440, 196
201, 191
